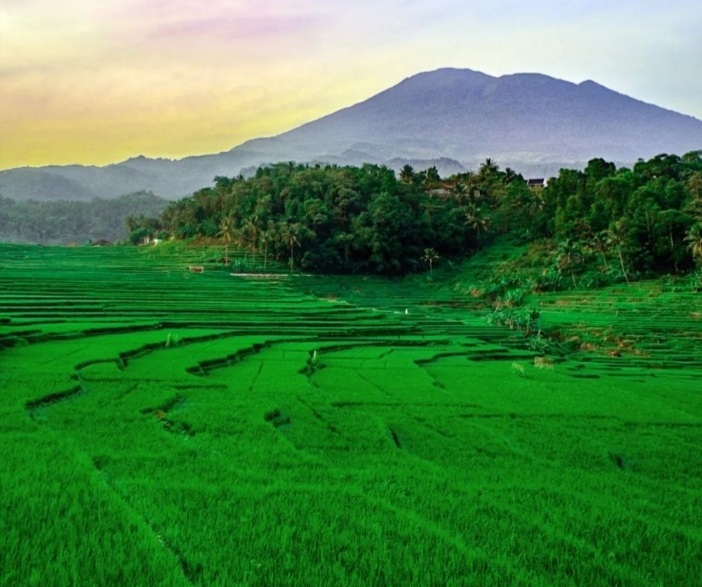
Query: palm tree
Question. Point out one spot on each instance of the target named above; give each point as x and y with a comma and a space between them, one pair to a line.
476, 221
459, 191
618, 237
253, 231
488, 168
569, 257
430, 255
599, 243
226, 231
694, 242
407, 174
239, 237
264, 237
289, 234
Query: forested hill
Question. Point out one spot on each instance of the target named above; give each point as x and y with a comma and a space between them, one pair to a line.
62, 222
611, 223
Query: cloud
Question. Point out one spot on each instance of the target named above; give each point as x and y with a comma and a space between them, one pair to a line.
204, 76
239, 28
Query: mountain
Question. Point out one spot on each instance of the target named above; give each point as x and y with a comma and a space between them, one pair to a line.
164, 177
467, 115
451, 118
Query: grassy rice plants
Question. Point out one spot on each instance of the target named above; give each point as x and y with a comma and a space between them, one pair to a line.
164, 428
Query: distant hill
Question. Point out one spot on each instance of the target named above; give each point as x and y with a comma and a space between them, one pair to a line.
451, 118
60, 222
164, 177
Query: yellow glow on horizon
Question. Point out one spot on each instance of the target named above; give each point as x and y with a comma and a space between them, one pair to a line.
159, 107
80, 92
96, 83
101, 125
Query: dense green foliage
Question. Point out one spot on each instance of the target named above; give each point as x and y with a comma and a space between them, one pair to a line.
64, 222
336, 219
614, 223
645, 219
159, 427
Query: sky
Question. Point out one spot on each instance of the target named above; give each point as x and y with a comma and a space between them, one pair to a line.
98, 82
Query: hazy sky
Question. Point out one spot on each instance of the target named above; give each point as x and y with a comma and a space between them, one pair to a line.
94, 82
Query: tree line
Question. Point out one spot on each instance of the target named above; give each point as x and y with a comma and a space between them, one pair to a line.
61, 222
367, 219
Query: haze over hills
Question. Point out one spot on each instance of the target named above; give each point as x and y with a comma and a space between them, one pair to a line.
451, 118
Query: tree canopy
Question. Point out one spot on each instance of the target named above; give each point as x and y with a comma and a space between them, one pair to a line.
367, 220
62, 222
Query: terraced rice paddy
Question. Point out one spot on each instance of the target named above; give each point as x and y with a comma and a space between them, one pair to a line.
159, 427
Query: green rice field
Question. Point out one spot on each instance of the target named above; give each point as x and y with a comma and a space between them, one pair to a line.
162, 427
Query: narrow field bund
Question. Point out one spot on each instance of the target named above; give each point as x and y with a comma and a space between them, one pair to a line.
159, 427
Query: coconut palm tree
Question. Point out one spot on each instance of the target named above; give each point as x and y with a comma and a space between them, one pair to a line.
488, 169
289, 235
459, 192
265, 237
598, 242
430, 255
569, 257
252, 231
226, 231
618, 236
694, 242
476, 221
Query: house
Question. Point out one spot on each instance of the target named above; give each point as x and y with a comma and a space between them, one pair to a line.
538, 182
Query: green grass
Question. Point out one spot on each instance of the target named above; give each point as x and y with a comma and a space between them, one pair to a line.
159, 427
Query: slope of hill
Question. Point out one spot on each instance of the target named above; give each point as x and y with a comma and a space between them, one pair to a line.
164, 177
453, 117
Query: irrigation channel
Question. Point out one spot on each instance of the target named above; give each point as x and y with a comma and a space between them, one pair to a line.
163, 427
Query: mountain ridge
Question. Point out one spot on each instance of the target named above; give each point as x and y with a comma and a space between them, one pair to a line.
529, 121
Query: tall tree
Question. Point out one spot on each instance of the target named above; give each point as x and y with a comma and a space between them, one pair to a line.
289, 233
619, 236
599, 243
694, 242
488, 169
265, 237
226, 231
569, 257
477, 221
432, 179
407, 173
430, 255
